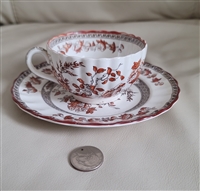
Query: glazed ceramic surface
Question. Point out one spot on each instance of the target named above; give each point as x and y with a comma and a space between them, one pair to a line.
154, 93
95, 66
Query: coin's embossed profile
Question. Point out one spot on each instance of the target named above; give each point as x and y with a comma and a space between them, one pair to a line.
86, 158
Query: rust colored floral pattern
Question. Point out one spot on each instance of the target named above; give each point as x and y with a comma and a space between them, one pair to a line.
77, 106
148, 73
54, 104
68, 67
86, 46
123, 117
135, 72
30, 85
99, 75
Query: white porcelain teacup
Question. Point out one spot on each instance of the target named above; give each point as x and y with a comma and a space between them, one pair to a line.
94, 66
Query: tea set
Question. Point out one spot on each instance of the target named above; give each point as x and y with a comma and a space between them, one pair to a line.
94, 79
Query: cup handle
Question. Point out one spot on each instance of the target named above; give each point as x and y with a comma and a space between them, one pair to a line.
31, 66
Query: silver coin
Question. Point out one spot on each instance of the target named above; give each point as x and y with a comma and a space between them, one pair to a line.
86, 158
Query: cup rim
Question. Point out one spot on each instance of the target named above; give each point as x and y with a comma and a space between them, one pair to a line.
96, 31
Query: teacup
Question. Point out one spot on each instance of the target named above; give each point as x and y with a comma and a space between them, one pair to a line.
94, 66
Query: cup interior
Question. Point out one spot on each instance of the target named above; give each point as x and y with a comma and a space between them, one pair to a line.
96, 44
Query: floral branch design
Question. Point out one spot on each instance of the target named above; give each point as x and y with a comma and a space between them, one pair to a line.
123, 117
67, 67
30, 88
100, 75
86, 46
155, 80
129, 94
135, 73
77, 106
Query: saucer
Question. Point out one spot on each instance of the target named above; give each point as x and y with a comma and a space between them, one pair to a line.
154, 93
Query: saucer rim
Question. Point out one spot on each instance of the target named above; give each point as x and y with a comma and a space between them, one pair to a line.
38, 115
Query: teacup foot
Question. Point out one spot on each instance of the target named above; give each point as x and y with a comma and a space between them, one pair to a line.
98, 100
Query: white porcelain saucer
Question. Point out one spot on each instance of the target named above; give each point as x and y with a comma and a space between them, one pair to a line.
154, 93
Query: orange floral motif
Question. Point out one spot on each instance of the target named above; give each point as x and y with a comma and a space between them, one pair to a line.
68, 117
99, 75
102, 43
35, 80
77, 106
113, 91
134, 77
155, 80
145, 110
63, 81
123, 117
126, 116
78, 46
68, 67
67, 46
91, 110
30, 88
82, 45
135, 72
136, 65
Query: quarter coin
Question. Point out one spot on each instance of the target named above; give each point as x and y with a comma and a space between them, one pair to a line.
86, 158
